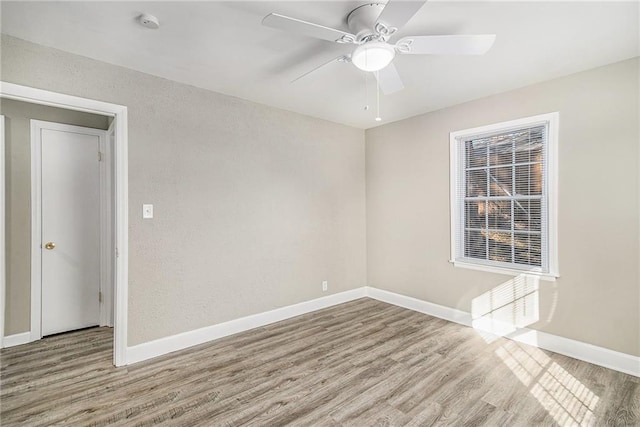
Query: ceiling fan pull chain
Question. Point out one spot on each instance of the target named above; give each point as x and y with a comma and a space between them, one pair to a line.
366, 91
378, 118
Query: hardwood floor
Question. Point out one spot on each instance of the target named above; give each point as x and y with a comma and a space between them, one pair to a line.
362, 363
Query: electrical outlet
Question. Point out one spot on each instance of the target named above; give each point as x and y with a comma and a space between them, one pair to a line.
325, 285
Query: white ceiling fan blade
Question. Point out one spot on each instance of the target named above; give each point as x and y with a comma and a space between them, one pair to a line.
305, 28
341, 58
389, 80
446, 45
397, 13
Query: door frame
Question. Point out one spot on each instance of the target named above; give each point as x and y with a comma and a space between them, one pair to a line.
37, 126
120, 156
3, 236
107, 244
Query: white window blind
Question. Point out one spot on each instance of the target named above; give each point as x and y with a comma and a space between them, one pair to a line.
500, 199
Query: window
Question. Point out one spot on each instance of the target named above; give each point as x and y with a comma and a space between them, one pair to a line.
503, 189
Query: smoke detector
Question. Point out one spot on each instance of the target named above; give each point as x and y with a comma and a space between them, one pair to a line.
149, 21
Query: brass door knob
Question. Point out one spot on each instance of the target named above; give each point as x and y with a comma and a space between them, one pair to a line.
49, 245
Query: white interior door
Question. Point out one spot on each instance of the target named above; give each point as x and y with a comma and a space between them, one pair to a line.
70, 209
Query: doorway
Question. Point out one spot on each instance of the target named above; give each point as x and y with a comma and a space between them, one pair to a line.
119, 225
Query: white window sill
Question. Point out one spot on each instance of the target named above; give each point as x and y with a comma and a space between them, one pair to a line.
549, 277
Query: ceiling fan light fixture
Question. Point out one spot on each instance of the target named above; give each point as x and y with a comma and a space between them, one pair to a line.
373, 56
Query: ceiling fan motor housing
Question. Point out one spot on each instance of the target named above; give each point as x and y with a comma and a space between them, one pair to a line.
362, 20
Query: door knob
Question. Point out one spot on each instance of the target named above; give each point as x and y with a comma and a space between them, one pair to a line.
49, 245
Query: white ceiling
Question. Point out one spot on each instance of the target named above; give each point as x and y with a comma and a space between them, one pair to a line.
222, 46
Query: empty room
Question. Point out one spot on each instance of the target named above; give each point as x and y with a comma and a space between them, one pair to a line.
345, 213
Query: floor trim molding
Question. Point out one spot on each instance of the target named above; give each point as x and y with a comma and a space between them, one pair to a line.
421, 306
579, 350
159, 347
600, 356
16, 339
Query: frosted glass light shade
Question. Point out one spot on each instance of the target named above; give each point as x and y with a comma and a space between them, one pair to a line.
373, 56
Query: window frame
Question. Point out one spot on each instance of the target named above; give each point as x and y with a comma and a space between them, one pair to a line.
550, 193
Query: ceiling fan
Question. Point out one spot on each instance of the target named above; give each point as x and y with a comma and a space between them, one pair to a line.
371, 27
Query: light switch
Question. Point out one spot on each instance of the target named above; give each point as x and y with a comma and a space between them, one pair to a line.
147, 211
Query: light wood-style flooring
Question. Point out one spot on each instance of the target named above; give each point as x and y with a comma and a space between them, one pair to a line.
363, 363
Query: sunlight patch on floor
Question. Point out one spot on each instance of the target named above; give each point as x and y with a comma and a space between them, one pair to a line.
563, 396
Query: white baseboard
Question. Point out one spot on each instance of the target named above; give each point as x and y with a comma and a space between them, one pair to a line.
16, 339
601, 356
436, 310
181, 341
579, 350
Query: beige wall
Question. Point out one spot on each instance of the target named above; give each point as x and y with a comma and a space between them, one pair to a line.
254, 206
18, 199
597, 298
